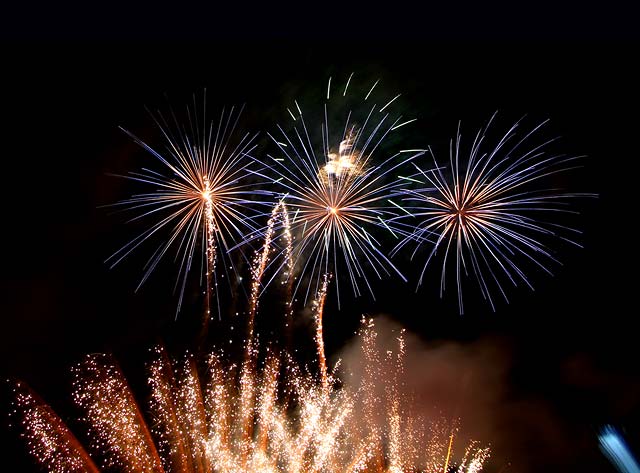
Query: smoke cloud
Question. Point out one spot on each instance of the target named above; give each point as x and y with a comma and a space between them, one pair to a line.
471, 382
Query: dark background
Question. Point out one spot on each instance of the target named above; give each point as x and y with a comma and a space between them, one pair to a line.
67, 84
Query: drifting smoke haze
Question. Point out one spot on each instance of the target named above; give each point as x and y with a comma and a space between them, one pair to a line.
472, 382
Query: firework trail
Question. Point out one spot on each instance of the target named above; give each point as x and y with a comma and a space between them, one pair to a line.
339, 191
201, 196
49, 440
178, 410
113, 417
196, 421
279, 220
489, 211
615, 448
210, 230
448, 458
318, 310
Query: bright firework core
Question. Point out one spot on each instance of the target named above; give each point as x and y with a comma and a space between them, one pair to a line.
339, 166
206, 193
342, 164
463, 213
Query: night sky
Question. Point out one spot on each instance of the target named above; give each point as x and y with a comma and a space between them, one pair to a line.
567, 350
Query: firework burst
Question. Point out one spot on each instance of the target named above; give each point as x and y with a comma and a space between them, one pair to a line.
339, 191
201, 196
488, 212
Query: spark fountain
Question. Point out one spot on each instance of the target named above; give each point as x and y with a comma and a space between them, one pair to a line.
197, 417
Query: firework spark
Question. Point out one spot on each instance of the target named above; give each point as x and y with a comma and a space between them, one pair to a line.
115, 422
49, 440
196, 421
489, 210
339, 192
201, 196
279, 220
318, 311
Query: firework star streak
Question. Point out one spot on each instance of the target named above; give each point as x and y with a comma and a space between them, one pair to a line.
201, 198
490, 211
339, 193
